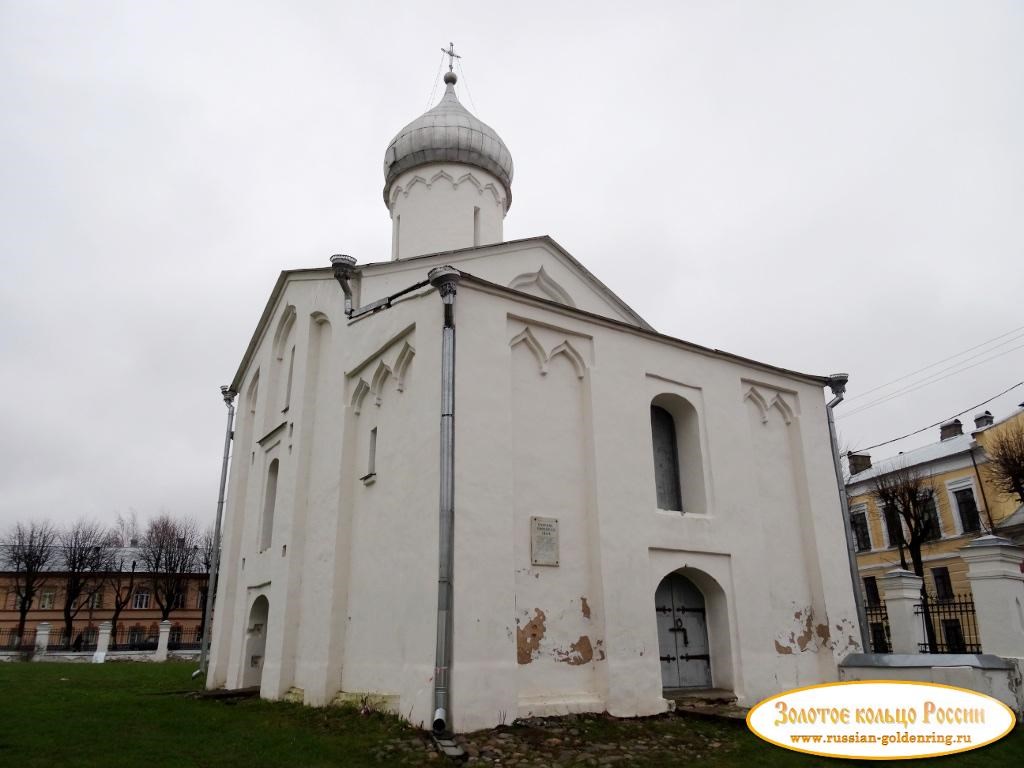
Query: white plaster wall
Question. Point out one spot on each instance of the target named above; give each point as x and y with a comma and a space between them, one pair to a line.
765, 541
445, 206
353, 599
502, 264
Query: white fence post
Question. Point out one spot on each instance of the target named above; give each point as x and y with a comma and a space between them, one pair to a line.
102, 643
161, 646
994, 571
42, 638
901, 591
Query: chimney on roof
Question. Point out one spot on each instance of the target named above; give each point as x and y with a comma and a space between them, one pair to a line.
951, 429
859, 462
983, 420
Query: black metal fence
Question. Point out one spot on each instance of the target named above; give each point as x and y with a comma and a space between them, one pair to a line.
878, 627
134, 638
950, 625
80, 639
185, 639
10, 640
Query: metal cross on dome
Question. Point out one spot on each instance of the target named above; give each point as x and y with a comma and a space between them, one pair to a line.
452, 56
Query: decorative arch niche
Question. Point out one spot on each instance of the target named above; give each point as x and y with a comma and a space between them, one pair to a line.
764, 405
540, 282
526, 338
284, 328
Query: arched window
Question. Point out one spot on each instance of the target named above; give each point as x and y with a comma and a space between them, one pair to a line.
666, 460
269, 502
678, 466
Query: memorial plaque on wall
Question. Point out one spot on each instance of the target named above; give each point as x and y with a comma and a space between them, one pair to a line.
544, 540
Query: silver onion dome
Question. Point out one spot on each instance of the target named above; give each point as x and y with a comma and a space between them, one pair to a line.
448, 133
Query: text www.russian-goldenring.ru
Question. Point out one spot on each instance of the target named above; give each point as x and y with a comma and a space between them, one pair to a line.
904, 737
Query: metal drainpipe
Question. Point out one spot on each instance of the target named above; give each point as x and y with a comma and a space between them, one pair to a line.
344, 267
837, 383
229, 399
445, 279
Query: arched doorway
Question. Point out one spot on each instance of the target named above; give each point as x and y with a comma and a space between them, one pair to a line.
255, 643
682, 634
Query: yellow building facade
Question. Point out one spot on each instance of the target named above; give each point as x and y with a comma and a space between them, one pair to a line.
965, 505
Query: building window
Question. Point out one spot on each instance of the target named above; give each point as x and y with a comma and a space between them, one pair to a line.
968, 509
269, 503
371, 460
871, 590
288, 384
930, 529
179, 601
879, 638
46, 599
954, 635
666, 460
96, 600
893, 525
943, 584
140, 600
859, 523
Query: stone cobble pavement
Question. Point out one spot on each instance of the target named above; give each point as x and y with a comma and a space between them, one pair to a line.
572, 740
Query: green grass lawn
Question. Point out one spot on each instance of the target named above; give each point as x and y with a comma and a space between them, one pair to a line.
140, 715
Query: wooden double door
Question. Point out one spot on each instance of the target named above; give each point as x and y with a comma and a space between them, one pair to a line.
682, 634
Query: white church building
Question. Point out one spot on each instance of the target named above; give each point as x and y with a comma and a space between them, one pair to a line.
469, 480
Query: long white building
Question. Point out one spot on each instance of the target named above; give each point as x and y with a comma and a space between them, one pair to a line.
627, 512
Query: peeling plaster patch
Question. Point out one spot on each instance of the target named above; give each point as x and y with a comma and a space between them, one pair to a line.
808, 634
800, 638
600, 650
823, 632
586, 608
580, 652
528, 638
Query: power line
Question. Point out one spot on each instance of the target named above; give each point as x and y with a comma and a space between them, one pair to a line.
465, 82
938, 423
437, 77
939, 362
932, 378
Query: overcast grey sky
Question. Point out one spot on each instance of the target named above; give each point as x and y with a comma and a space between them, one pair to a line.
823, 186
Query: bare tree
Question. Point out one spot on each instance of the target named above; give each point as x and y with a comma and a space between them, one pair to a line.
1005, 466
908, 495
125, 531
27, 551
206, 561
122, 582
206, 549
84, 555
169, 552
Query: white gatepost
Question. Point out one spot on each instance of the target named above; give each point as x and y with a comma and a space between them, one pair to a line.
994, 571
161, 646
901, 591
42, 639
102, 643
